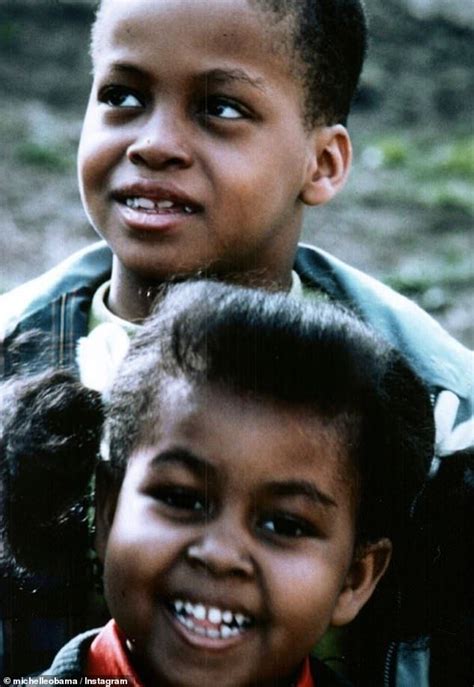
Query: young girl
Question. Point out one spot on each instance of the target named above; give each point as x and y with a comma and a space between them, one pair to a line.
258, 460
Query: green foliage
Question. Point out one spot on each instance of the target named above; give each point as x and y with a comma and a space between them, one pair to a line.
421, 277
449, 195
48, 157
458, 158
9, 34
425, 169
395, 151
426, 155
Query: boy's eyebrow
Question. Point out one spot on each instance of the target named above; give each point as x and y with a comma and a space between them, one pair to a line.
126, 67
214, 76
185, 458
224, 76
302, 488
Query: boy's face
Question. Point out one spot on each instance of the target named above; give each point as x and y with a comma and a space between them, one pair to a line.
194, 153
230, 549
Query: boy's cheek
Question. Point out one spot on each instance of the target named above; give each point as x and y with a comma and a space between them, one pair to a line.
99, 144
97, 153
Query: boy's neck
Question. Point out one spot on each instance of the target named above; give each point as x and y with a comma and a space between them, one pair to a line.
131, 297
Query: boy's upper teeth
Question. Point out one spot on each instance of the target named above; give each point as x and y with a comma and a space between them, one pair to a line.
149, 204
145, 203
211, 614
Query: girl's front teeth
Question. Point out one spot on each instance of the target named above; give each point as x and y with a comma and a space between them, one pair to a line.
210, 621
223, 632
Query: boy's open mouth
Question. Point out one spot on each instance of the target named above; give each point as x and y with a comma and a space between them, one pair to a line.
158, 206
209, 621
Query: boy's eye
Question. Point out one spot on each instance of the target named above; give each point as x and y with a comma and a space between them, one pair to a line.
285, 525
118, 96
181, 498
222, 108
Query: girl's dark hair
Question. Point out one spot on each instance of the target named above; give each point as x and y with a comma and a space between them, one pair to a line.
50, 427
251, 342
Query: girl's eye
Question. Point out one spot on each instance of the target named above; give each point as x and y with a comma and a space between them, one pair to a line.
222, 108
182, 499
283, 525
118, 96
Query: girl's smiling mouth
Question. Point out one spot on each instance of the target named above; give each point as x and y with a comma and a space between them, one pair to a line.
206, 626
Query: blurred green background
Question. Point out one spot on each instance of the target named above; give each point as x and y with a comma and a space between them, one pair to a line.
405, 215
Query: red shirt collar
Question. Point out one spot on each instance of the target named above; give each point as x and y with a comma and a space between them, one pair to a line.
108, 657
306, 679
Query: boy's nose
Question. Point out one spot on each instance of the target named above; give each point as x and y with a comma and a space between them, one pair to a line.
161, 143
222, 551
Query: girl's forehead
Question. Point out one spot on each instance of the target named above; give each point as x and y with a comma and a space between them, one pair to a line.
237, 433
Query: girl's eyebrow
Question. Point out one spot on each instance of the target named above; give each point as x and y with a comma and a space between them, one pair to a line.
202, 468
302, 488
184, 458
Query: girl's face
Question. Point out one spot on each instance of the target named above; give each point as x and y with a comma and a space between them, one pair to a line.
230, 547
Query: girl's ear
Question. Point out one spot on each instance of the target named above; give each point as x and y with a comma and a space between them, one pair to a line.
107, 490
328, 164
365, 572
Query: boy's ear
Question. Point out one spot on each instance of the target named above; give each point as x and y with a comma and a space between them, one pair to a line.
328, 164
366, 570
106, 494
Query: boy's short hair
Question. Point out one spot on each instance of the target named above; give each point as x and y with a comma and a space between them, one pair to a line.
328, 44
330, 41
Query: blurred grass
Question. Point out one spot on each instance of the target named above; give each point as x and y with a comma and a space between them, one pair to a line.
426, 157
9, 34
44, 157
423, 171
417, 277
38, 137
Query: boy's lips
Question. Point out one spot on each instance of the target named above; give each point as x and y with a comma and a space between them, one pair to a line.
149, 206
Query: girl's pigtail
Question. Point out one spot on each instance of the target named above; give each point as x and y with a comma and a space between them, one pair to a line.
49, 443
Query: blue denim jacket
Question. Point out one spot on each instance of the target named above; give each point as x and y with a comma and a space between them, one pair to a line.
57, 305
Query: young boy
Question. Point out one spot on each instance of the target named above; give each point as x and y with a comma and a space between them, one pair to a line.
258, 462
211, 125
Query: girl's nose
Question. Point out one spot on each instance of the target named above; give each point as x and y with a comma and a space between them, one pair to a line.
221, 551
161, 143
